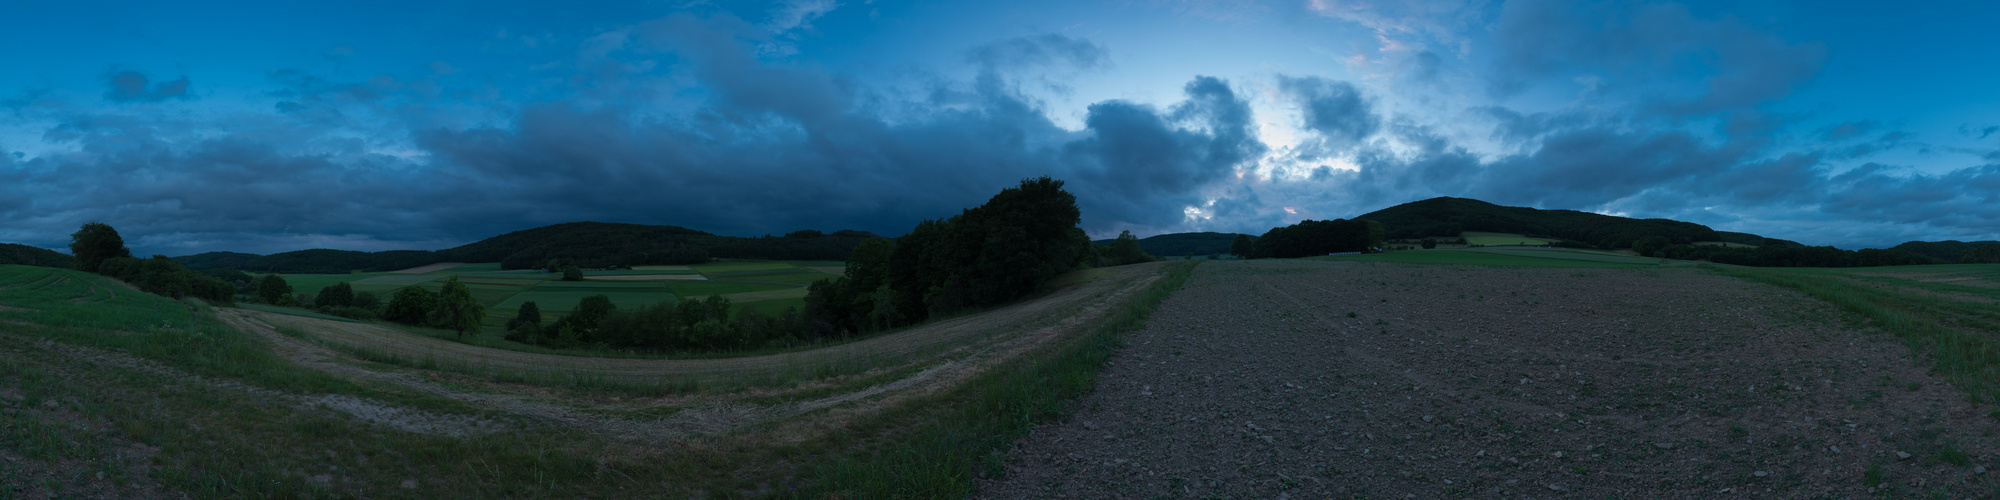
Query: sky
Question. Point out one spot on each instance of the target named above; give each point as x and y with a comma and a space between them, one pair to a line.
265, 127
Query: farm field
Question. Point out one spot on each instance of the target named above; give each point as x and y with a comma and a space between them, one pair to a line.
1500, 239
1531, 257
1357, 377
503, 291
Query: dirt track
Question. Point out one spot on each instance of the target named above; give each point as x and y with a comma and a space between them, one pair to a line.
1452, 382
936, 356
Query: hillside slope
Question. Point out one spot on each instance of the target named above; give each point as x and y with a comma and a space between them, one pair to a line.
1446, 216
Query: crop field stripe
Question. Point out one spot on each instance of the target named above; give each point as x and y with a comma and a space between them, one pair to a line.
637, 285
706, 289
1970, 360
958, 431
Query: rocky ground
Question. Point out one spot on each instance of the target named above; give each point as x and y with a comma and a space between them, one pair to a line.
1289, 379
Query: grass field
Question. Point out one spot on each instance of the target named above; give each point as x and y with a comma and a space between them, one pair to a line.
1529, 257
704, 289
1500, 239
563, 296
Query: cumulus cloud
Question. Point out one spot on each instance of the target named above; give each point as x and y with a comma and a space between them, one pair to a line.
1660, 52
133, 86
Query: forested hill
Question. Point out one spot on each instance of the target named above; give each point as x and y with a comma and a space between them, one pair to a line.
1176, 244
1954, 250
1447, 216
11, 253
586, 244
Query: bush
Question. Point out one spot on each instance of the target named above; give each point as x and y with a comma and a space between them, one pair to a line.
411, 304
336, 295
274, 290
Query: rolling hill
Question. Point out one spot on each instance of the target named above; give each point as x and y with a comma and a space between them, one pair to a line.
1446, 216
587, 244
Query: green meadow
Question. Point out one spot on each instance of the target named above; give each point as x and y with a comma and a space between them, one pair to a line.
1501, 239
503, 291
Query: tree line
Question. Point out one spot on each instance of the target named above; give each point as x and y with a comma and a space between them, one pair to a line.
97, 248
1311, 237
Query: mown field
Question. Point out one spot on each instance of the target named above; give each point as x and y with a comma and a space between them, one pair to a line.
106, 392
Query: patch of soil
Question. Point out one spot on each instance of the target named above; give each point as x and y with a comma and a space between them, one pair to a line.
1277, 379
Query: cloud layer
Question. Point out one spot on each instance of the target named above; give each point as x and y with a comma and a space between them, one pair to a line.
718, 123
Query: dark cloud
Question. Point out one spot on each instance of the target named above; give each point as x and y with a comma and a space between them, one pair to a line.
1140, 166
133, 86
1847, 130
1658, 53
1040, 50
1516, 127
750, 143
770, 147
1334, 109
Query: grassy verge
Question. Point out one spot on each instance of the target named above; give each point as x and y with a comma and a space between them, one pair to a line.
1968, 356
936, 446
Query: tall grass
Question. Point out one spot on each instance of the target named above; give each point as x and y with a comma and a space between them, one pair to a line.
1969, 358
934, 447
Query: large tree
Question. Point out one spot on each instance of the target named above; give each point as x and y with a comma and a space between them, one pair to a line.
338, 295
411, 304
456, 309
274, 289
1241, 246
94, 243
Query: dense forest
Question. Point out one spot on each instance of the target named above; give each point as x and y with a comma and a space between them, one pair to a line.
1177, 244
1966, 252
584, 244
1450, 216
11, 253
1311, 237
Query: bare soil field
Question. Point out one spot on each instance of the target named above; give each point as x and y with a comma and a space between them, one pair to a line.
1292, 379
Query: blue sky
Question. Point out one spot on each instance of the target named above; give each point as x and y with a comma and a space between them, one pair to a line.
265, 127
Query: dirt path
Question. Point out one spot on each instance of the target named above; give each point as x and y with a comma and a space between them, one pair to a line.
936, 357
897, 348
1450, 382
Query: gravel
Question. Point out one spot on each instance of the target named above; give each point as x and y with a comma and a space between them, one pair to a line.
1447, 382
